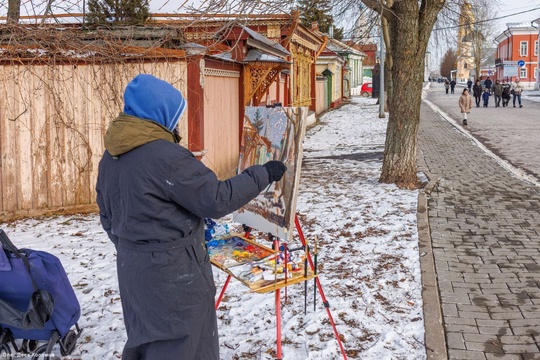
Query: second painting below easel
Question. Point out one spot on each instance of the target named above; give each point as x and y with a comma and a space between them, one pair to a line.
274, 133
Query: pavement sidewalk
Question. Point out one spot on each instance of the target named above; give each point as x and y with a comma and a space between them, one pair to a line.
484, 225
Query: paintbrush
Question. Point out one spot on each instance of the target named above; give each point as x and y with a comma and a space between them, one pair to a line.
315, 273
305, 277
285, 268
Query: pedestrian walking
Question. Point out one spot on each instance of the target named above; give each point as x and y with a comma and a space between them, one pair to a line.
497, 92
516, 90
446, 86
477, 92
152, 195
465, 104
505, 93
488, 83
469, 85
485, 97
452, 86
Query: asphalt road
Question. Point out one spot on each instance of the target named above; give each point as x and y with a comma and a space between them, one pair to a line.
511, 133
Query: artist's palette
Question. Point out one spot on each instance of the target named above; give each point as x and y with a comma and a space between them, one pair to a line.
256, 266
236, 251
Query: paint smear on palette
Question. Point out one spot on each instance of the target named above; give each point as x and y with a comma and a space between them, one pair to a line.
234, 251
273, 134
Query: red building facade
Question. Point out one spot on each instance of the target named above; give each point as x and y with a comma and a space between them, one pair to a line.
518, 45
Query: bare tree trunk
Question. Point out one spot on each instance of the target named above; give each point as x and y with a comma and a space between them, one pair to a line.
14, 11
399, 163
477, 56
409, 27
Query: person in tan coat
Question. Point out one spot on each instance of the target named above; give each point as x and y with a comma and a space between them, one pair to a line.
516, 90
465, 104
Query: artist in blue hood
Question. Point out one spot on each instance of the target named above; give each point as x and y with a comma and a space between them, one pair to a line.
153, 195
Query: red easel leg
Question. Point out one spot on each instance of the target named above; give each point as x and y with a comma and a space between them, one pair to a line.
278, 323
321, 292
223, 291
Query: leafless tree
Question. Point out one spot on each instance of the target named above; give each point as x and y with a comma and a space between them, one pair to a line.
407, 27
14, 11
483, 31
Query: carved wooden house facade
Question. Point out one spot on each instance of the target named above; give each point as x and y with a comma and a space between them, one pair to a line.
220, 65
272, 61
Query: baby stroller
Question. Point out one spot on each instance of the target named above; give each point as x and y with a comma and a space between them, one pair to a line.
38, 306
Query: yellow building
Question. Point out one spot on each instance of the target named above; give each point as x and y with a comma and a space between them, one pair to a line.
465, 60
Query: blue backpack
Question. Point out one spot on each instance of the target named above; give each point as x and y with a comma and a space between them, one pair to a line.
37, 301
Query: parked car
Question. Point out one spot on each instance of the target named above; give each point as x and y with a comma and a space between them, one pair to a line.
366, 89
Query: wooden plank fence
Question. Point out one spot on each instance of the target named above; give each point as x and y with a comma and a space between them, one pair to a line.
52, 122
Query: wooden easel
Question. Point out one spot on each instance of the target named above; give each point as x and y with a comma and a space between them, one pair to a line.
276, 288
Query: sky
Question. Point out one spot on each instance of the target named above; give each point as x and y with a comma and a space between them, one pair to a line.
368, 261
509, 7
506, 7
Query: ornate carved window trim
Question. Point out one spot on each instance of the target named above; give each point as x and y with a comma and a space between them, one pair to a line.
302, 60
221, 73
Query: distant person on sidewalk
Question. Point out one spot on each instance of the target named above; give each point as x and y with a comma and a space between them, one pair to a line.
477, 92
465, 104
488, 83
505, 93
446, 86
497, 91
452, 86
469, 85
485, 97
516, 90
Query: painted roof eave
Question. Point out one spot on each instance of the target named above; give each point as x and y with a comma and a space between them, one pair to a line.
257, 56
262, 47
258, 40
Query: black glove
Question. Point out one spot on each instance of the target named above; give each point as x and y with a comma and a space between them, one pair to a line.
275, 170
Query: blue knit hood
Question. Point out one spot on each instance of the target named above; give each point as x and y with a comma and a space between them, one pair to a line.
150, 98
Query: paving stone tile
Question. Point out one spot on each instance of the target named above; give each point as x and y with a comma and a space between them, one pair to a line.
472, 329
492, 323
521, 349
490, 346
455, 341
517, 339
455, 354
473, 308
494, 330
495, 356
460, 320
507, 316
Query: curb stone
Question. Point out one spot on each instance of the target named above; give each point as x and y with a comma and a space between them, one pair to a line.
435, 341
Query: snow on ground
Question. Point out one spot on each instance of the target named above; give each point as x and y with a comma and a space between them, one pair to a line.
368, 261
531, 95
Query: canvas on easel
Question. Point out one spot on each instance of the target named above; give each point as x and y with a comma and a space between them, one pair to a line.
273, 133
